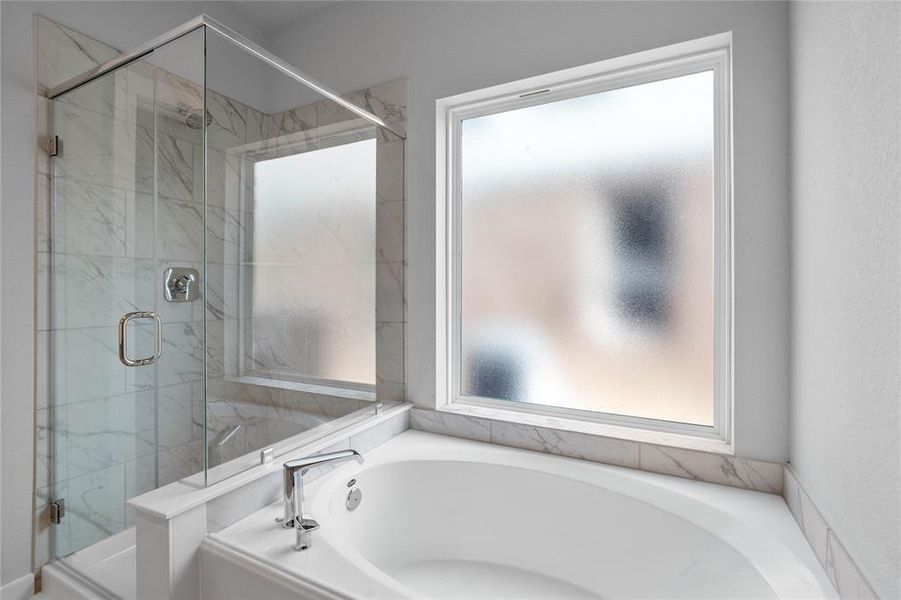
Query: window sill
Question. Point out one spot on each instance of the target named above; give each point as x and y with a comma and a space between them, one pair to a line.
660, 438
310, 388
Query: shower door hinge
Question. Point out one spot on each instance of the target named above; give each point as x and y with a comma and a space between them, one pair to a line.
57, 510
55, 146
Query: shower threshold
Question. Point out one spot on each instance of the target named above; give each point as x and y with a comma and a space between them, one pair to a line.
104, 570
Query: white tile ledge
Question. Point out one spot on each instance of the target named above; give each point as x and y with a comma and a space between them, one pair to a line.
634, 434
300, 386
176, 498
535, 434
840, 567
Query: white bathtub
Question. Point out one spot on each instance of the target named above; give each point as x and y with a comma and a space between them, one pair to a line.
447, 518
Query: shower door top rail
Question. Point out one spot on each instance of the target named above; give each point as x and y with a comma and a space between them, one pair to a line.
236, 38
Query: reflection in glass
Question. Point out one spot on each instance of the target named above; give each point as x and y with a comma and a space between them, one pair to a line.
587, 241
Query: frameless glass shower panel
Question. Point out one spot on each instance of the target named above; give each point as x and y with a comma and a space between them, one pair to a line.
292, 194
179, 99
127, 173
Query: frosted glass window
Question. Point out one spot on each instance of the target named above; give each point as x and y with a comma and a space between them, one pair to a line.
313, 275
586, 278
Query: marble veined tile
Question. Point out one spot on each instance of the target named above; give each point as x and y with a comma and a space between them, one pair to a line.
181, 461
389, 348
390, 171
225, 232
848, 580
95, 218
714, 468
106, 96
95, 507
566, 443
177, 92
807, 515
443, 423
840, 567
51, 445
107, 431
301, 119
175, 416
51, 291
390, 391
63, 53
140, 478
98, 149
179, 230
101, 289
182, 357
140, 224
175, 168
89, 364
387, 101
223, 291
390, 305
226, 187
228, 121
378, 434
390, 232
257, 123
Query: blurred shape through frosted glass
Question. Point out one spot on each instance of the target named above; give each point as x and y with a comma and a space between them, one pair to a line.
588, 252
314, 263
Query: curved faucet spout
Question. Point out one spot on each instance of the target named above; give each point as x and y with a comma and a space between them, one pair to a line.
293, 472
308, 462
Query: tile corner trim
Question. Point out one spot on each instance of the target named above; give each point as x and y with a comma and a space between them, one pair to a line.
837, 562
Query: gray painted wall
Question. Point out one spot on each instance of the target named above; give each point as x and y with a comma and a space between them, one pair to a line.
447, 48
846, 185
120, 24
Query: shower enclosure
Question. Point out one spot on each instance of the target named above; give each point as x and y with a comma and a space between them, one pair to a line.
214, 245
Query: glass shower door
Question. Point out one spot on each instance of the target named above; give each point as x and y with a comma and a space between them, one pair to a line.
126, 381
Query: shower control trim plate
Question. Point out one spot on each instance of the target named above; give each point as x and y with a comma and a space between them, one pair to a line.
181, 284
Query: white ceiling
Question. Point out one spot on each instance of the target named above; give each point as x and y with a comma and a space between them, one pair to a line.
271, 15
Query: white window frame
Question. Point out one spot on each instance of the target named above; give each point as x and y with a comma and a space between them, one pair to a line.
705, 54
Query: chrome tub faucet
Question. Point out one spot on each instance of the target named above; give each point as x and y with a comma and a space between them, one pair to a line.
294, 470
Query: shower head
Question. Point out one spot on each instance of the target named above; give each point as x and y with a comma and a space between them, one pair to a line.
193, 119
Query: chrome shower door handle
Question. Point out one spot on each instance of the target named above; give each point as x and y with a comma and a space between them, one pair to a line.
123, 338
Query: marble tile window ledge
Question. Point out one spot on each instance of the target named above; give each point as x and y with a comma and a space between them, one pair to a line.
596, 428
336, 391
530, 432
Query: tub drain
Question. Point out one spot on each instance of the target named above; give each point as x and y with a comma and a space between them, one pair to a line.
354, 497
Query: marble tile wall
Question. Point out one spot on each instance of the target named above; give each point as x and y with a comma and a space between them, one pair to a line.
733, 471
269, 413
839, 566
316, 123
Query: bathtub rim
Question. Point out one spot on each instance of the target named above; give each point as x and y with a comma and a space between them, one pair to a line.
754, 546
764, 509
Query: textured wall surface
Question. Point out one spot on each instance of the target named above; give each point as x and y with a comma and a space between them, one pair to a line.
846, 126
